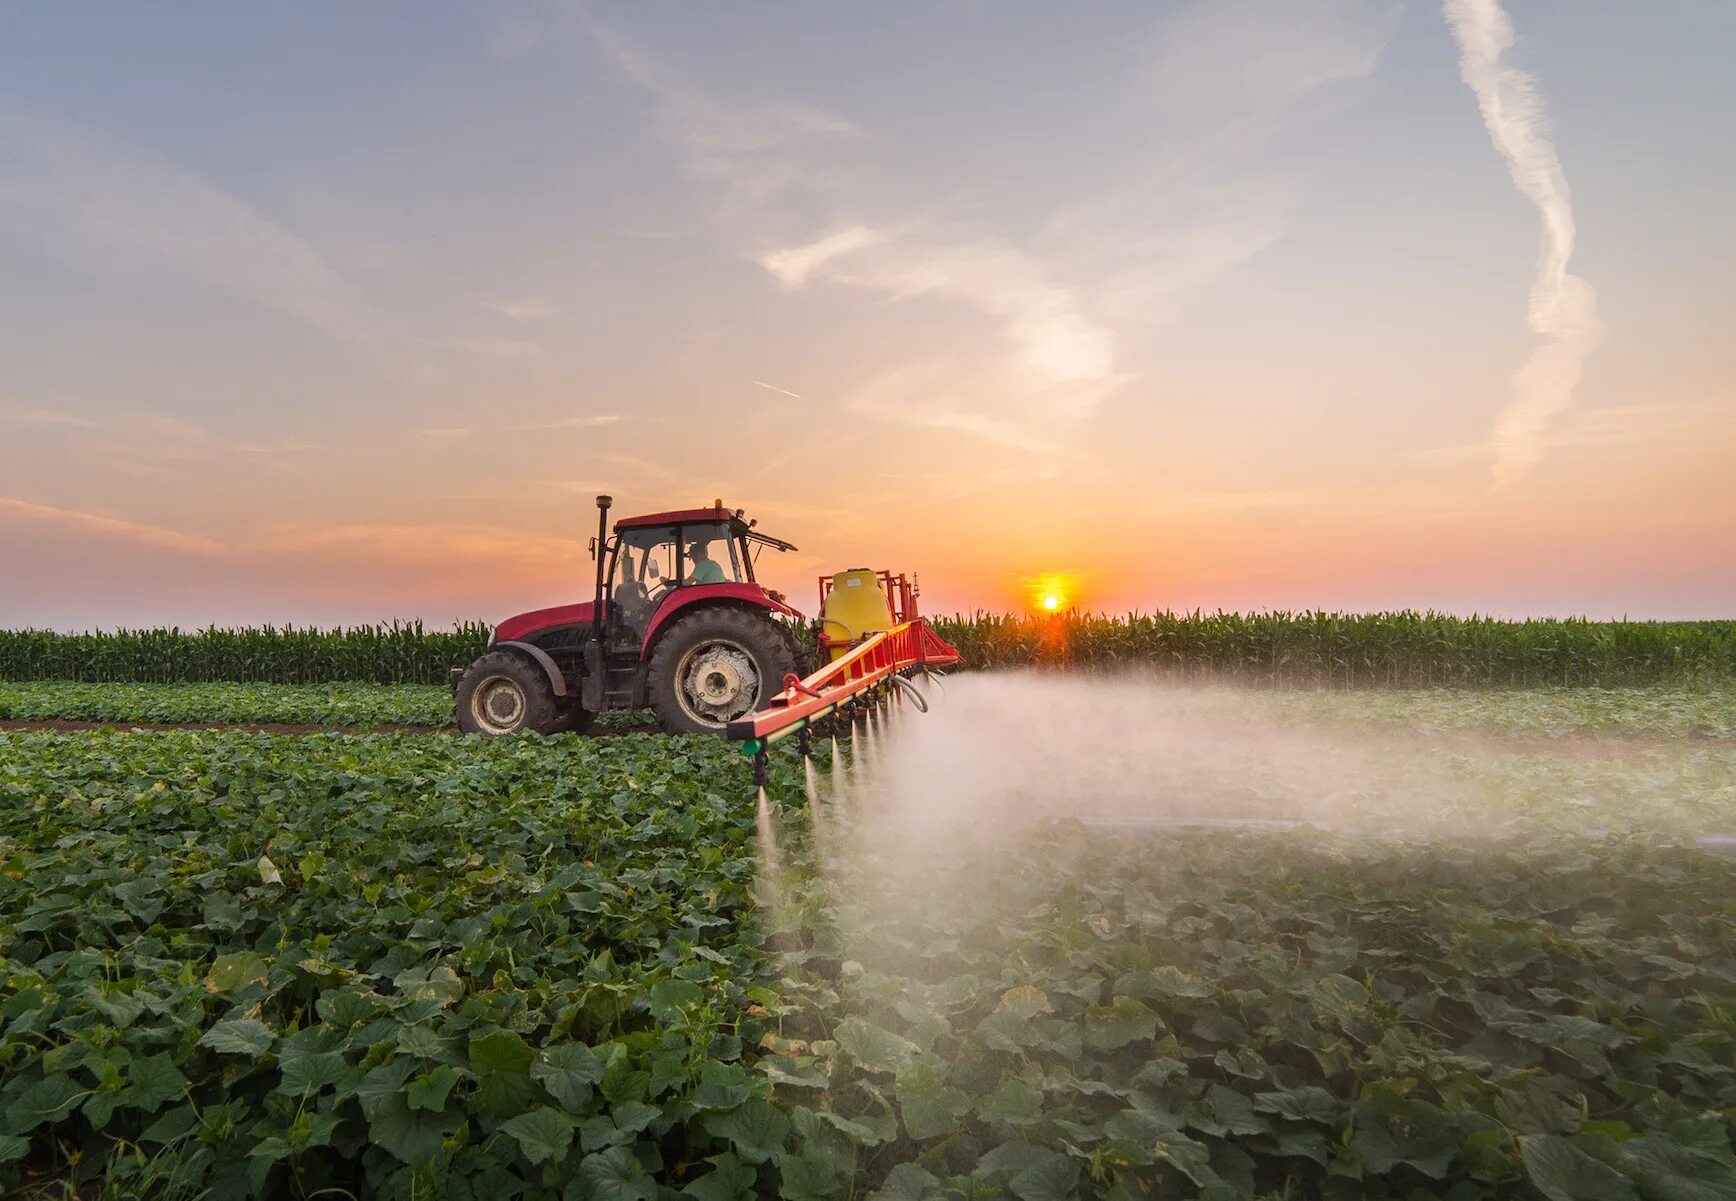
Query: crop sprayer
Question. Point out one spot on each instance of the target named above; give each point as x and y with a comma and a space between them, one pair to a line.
679, 623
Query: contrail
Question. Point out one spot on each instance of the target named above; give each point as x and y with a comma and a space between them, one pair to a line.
1563, 307
774, 388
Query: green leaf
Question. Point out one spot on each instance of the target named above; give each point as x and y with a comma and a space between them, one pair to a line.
439, 984
1192, 1159
12, 1147
428, 1091
873, 1048
501, 1051
907, 1182
756, 1130
152, 1080
721, 1086
413, 1135
239, 1036
615, 1175
669, 998
1340, 999
793, 1072
568, 1072
503, 1094
928, 1105
307, 1072
1111, 1027
1562, 1172
809, 1176
1309, 1103
1051, 1180
234, 971
616, 1125
1666, 1170
1014, 1102
543, 1134
729, 1180
171, 1125
48, 1100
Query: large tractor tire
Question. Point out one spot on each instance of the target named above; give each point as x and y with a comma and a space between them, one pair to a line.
503, 693
716, 666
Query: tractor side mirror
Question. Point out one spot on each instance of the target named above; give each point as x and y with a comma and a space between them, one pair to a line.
652, 570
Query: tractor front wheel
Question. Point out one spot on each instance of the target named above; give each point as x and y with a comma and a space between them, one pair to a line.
503, 693
714, 667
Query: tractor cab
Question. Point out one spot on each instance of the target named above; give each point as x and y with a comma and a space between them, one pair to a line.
651, 559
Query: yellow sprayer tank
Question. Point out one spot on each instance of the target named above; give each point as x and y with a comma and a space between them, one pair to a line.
855, 608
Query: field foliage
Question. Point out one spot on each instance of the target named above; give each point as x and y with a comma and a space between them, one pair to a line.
1664, 711
391, 653
415, 966
1268, 649
1339, 650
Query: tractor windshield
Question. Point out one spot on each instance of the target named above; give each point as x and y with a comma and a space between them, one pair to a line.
653, 560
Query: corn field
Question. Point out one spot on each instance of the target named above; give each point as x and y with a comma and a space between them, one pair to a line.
1343, 650
393, 653
1302, 650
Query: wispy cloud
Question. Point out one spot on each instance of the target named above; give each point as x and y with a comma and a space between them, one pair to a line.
1064, 299
44, 418
1563, 307
1042, 319
122, 206
792, 265
572, 423
747, 151
531, 308
114, 527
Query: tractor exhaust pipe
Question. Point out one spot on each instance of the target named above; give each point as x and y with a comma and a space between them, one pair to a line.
597, 547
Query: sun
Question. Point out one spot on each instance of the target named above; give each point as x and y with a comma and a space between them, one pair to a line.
1050, 593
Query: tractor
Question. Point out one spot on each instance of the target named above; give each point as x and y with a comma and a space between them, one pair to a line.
677, 623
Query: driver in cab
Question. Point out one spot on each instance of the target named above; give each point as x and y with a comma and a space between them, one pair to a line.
705, 569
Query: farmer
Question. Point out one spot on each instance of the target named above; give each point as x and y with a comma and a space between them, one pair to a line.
705, 569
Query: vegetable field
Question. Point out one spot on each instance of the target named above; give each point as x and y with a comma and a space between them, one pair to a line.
1336, 650
413, 965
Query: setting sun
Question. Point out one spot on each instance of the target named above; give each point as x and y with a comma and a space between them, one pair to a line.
1051, 592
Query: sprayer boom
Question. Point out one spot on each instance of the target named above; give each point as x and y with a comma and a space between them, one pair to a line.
848, 680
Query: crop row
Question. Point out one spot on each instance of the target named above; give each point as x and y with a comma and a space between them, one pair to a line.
393, 653
1269, 649
1656, 712
395, 965
407, 966
1379, 650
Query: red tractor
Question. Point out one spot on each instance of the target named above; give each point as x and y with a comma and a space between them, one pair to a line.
677, 623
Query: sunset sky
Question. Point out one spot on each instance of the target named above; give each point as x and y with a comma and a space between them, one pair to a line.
323, 313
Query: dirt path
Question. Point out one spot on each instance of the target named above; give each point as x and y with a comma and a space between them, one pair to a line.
1578, 746
63, 725
67, 725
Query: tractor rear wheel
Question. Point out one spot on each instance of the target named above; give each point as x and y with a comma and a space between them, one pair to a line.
503, 693
714, 667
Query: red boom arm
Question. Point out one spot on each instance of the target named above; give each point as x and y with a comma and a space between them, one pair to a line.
879, 658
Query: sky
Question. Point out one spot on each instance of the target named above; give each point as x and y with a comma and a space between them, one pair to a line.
323, 313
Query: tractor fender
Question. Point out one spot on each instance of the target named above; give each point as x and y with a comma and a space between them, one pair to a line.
736, 596
557, 681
